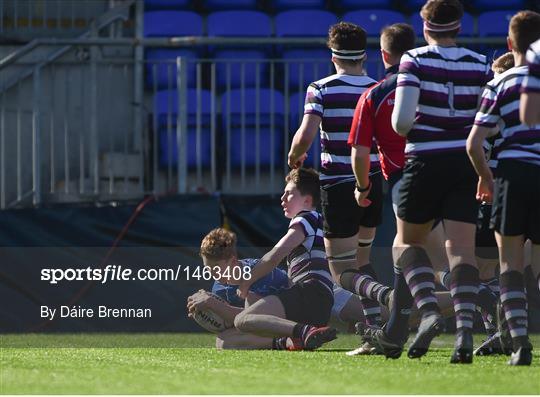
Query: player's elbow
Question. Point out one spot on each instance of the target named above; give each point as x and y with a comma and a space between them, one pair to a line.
401, 125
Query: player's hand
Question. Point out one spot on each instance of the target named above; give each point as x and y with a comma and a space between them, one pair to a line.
361, 198
243, 289
296, 162
199, 301
484, 190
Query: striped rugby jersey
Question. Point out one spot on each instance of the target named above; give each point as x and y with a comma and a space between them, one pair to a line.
450, 80
531, 83
308, 260
500, 108
334, 99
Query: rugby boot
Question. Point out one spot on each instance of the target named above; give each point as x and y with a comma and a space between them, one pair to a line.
523, 356
430, 327
492, 345
377, 337
317, 336
463, 351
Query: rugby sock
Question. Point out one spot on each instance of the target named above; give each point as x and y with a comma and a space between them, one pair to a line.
487, 301
279, 343
301, 330
372, 293
420, 278
445, 278
514, 304
397, 327
464, 294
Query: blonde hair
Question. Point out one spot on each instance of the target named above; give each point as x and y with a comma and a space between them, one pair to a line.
218, 244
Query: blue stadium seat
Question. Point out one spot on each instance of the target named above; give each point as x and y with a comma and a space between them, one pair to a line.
490, 5
215, 5
236, 58
304, 23
166, 102
363, 4
296, 112
467, 24
167, 4
239, 23
374, 66
270, 140
161, 63
306, 66
282, 5
172, 23
494, 23
372, 21
414, 5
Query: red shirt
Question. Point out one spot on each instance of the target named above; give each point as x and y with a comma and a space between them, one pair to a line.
372, 121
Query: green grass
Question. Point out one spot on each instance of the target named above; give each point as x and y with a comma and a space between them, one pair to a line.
192, 366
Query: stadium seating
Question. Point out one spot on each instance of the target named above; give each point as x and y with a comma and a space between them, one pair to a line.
252, 121
490, 5
374, 66
214, 5
172, 23
494, 23
165, 103
304, 23
161, 65
316, 65
414, 5
282, 5
240, 23
296, 112
167, 4
372, 21
467, 24
363, 4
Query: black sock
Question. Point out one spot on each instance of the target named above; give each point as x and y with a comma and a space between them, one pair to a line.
397, 327
419, 275
279, 343
514, 303
300, 330
464, 294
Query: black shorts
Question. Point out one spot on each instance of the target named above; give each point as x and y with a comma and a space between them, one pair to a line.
516, 200
486, 245
439, 186
341, 213
307, 302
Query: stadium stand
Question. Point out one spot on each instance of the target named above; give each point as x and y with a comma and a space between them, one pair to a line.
166, 111
216, 5
167, 4
160, 66
494, 23
249, 115
296, 112
487, 5
304, 23
172, 23
350, 5
282, 5
373, 20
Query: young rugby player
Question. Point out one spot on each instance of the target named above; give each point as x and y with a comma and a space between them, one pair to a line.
529, 110
349, 230
436, 97
303, 310
515, 212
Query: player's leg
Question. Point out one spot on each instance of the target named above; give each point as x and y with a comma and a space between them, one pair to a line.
234, 339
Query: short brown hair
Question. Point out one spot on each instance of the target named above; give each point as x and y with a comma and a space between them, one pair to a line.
442, 11
503, 63
524, 30
218, 244
307, 183
398, 38
347, 36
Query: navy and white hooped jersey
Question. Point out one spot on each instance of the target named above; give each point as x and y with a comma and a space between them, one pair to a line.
451, 80
531, 83
308, 261
334, 99
500, 107
272, 283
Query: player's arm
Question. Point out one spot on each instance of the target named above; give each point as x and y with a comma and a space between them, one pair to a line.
529, 108
407, 95
303, 138
475, 150
294, 237
361, 140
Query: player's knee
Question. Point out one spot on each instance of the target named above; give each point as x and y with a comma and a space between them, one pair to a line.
241, 321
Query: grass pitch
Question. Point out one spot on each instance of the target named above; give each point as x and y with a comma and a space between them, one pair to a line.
188, 364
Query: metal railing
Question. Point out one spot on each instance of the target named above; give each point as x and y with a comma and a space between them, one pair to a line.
78, 128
